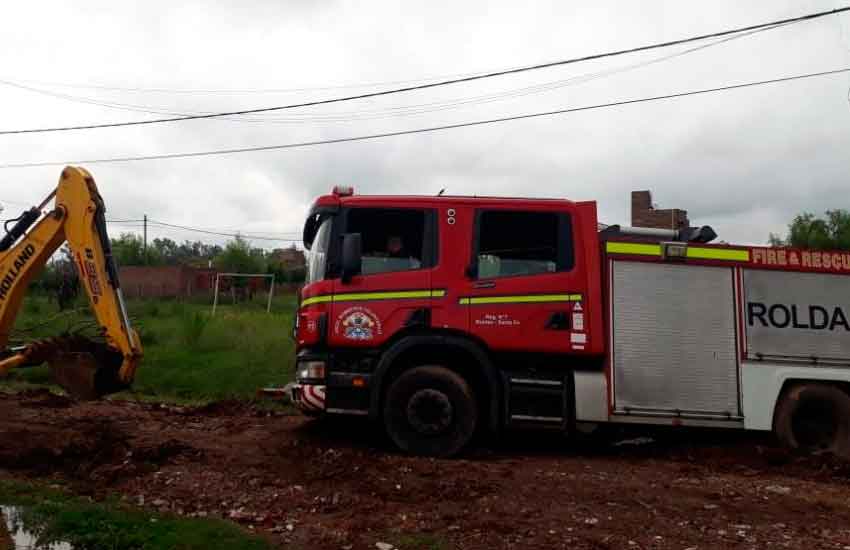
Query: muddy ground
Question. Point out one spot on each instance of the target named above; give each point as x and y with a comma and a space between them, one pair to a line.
309, 484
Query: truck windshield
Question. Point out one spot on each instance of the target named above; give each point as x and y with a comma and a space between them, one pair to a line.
318, 258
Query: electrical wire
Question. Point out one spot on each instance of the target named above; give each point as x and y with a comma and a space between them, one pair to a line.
220, 234
441, 83
424, 130
268, 234
232, 91
404, 110
19, 203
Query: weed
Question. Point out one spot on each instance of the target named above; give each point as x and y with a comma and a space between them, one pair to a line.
148, 337
192, 326
151, 309
56, 516
240, 349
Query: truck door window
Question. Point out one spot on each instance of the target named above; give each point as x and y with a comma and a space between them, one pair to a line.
516, 243
318, 255
393, 239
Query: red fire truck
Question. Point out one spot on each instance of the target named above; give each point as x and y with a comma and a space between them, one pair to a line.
443, 317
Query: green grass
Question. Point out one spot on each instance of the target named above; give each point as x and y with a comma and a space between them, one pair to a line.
189, 354
56, 516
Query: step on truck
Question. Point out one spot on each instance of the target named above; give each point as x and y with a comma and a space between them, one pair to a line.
444, 317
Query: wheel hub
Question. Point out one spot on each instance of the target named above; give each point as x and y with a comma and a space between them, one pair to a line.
429, 412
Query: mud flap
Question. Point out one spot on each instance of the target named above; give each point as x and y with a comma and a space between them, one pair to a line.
83, 376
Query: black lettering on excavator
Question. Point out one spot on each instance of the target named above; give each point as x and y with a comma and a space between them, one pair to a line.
799, 317
94, 283
20, 262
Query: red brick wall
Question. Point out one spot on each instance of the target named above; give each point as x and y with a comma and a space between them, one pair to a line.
158, 282
184, 281
644, 215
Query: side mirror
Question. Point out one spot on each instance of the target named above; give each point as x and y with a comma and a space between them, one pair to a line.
352, 256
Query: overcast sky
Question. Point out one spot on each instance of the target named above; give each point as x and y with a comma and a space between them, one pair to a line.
743, 161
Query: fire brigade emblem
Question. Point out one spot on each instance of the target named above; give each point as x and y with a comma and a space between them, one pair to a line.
359, 323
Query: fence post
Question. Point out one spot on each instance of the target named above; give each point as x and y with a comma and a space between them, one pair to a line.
215, 295
271, 292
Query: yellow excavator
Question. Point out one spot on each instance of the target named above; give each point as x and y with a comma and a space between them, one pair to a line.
85, 368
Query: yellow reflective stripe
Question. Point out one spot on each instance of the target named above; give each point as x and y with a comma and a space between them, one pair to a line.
699, 253
633, 248
719, 254
524, 299
362, 296
316, 300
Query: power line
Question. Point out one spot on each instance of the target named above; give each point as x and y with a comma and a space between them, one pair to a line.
228, 231
232, 91
221, 234
404, 110
440, 83
425, 130
19, 203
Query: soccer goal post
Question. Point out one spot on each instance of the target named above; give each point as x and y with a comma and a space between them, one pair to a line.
220, 276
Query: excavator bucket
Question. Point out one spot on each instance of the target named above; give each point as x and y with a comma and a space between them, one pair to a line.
82, 367
83, 376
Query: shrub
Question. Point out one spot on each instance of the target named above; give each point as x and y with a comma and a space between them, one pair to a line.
193, 326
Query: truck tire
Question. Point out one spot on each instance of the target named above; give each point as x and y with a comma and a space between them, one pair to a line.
430, 411
814, 418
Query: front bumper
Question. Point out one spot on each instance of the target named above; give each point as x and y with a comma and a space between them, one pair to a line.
309, 398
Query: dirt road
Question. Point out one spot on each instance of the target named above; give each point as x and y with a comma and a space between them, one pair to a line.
339, 486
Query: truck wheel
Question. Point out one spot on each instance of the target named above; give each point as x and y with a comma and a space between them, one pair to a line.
814, 417
430, 411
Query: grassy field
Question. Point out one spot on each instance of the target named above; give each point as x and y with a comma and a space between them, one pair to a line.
189, 354
53, 515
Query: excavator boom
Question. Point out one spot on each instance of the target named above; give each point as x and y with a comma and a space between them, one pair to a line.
86, 369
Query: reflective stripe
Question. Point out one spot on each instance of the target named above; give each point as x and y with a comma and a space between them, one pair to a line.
523, 299
719, 254
363, 296
317, 300
729, 254
633, 248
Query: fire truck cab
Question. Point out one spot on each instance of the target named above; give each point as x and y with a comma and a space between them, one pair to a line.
444, 317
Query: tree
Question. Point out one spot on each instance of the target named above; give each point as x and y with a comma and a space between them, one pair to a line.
809, 231
167, 250
59, 278
129, 249
239, 257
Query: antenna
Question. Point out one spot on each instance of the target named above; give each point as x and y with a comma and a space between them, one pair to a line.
440, 194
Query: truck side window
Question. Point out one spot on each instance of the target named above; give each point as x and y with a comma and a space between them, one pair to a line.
516, 243
393, 239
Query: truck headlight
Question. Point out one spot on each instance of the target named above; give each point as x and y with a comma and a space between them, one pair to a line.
311, 369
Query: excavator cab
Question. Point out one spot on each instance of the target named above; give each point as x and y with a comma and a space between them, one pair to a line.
86, 368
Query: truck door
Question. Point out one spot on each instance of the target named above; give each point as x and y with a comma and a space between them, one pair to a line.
394, 288
525, 292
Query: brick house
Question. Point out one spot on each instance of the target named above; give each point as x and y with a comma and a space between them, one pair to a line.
288, 258
644, 214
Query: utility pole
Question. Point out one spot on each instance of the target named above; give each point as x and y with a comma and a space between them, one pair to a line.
145, 248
